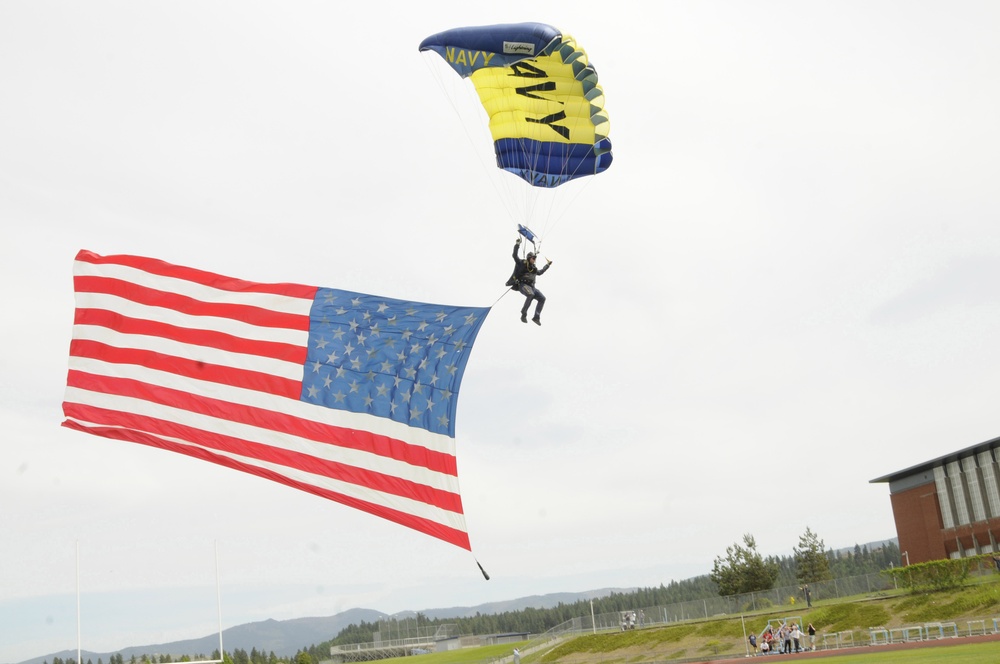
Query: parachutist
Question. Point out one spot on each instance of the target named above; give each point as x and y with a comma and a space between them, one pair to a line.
523, 281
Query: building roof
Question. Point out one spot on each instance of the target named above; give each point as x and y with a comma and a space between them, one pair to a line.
940, 461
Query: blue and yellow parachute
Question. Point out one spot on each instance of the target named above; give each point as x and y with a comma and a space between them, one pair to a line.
545, 105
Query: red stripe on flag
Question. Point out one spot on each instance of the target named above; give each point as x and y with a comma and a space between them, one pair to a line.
252, 380
434, 529
210, 338
282, 423
188, 305
154, 266
303, 461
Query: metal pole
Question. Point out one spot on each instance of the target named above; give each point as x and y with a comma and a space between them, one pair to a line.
745, 644
79, 650
592, 623
218, 599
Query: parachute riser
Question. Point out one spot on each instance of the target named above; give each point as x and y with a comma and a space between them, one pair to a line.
536, 242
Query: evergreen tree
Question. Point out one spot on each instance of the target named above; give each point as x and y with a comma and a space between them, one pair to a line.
744, 570
811, 562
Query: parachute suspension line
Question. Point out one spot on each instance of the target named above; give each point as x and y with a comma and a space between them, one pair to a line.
466, 90
579, 185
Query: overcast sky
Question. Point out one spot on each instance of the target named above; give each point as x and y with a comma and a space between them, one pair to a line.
785, 286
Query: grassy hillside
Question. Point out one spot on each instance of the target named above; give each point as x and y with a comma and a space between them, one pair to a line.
850, 617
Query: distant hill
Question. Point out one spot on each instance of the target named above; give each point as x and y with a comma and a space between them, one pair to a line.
533, 602
286, 637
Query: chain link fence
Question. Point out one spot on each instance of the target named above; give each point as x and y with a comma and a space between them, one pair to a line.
795, 598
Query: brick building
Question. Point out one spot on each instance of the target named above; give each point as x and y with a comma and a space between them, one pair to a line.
948, 507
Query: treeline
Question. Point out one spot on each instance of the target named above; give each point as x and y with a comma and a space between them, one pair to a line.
311, 655
847, 563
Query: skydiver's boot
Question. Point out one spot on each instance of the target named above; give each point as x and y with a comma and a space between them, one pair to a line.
524, 317
536, 320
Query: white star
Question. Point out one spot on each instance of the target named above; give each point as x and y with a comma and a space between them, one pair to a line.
339, 396
313, 391
422, 326
431, 340
321, 343
327, 381
392, 320
368, 402
440, 317
449, 329
332, 357
470, 319
386, 366
354, 325
414, 413
341, 311
382, 307
410, 372
410, 311
434, 379
418, 388
374, 330
361, 339
356, 302
443, 420
338, 334
316, 366
430, 404
441, 352
348, 349
383, 390
354, 385
407, 334
341, 372
356, 364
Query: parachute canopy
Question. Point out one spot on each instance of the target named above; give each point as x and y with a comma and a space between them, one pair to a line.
545, 106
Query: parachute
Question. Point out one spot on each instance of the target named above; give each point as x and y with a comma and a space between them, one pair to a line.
541, 95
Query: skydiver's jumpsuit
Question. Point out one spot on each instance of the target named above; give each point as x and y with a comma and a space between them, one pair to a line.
523, 280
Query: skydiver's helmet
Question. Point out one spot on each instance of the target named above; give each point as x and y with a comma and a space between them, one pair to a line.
531, 255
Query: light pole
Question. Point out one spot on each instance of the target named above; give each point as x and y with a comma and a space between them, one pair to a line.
906, 554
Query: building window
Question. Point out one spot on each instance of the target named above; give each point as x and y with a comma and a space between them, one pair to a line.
958, 493
944, 499
972, 483
990, 481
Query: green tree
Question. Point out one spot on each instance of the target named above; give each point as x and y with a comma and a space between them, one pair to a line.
811, 563
744, 570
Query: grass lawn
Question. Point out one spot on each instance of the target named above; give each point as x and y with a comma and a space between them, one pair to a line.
724, 637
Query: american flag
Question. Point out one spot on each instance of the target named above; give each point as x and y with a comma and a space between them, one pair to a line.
348, 396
